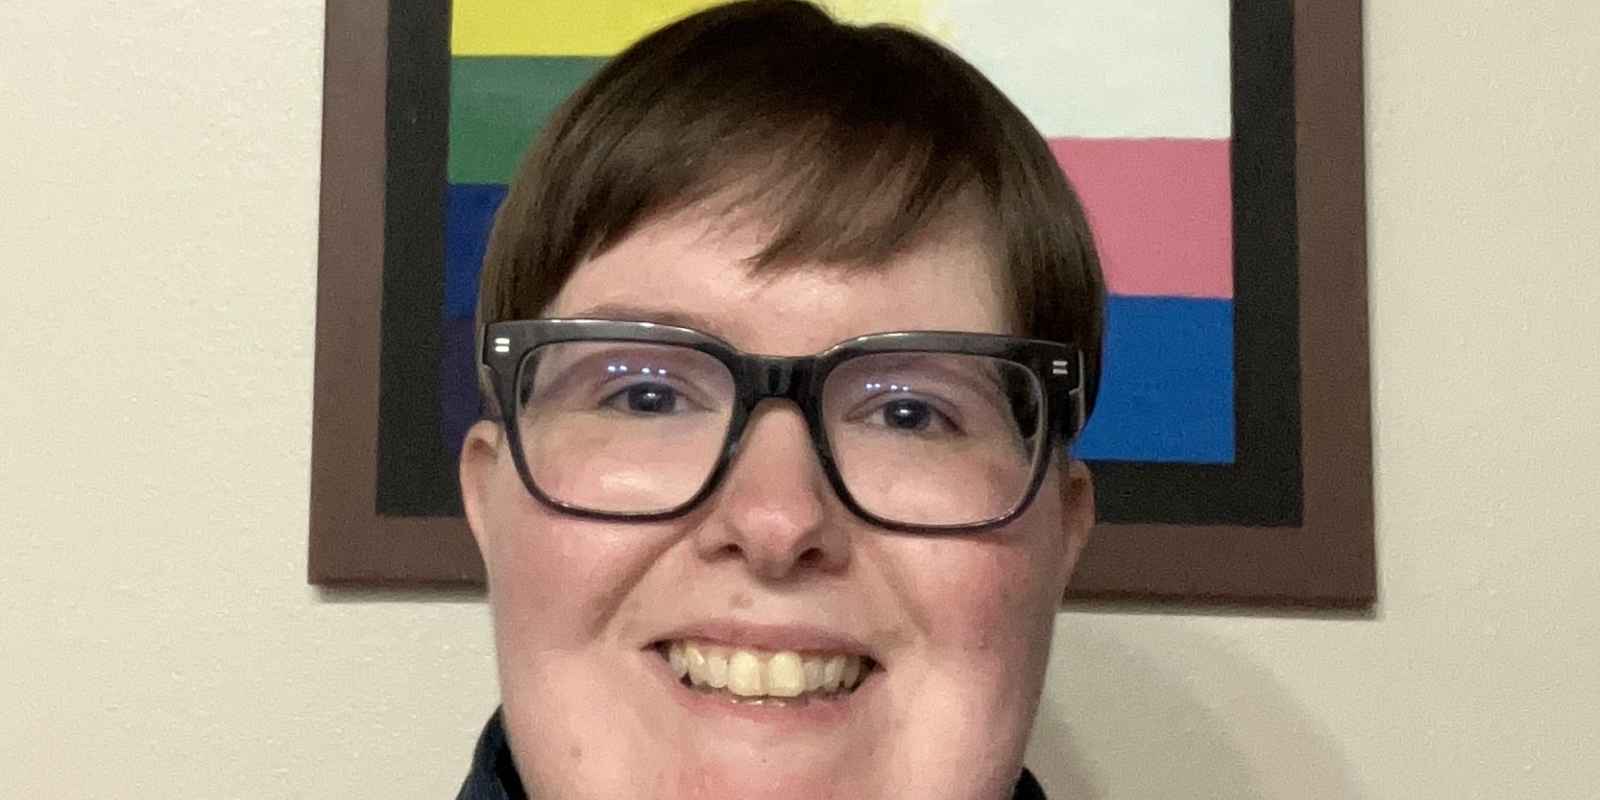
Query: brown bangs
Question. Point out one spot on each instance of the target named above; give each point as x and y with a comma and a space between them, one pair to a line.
847, 142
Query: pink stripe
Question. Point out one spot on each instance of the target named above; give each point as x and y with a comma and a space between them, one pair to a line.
1161, 210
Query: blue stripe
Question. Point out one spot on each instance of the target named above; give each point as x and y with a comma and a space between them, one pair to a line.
1167, 390
469, 214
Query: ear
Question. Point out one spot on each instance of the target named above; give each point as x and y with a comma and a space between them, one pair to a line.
1077, 511
480, 455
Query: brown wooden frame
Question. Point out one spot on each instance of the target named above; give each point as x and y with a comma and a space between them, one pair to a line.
1327, 560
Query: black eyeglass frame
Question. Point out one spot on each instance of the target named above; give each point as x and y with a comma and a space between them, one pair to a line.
1058, 368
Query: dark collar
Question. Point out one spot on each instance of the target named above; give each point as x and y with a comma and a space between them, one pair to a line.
494, 777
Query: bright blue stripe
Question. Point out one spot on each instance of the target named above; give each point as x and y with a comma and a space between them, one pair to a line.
1167, 390
469, 214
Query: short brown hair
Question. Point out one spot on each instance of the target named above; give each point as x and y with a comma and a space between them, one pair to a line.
850, 140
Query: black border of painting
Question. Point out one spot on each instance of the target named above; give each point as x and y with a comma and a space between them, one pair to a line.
416, 475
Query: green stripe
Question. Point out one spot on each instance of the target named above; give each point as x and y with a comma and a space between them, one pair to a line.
498, 104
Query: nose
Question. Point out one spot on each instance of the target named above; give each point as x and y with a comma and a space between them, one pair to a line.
775, 511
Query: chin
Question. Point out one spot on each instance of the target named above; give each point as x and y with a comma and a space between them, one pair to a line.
662, 737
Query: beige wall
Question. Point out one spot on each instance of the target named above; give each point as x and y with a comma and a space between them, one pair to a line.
157, 639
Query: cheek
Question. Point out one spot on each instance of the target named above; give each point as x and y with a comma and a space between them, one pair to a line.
979, 598
557, 581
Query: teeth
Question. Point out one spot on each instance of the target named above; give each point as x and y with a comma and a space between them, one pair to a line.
697, 663
832, 671
744, 674
785, 676
680, 665
716, 669
755, 674
813, 670
851, 673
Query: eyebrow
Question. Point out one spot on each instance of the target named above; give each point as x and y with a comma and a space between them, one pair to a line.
660, 316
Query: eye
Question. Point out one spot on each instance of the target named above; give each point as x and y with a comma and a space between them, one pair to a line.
913, 416
907, 415
645, 398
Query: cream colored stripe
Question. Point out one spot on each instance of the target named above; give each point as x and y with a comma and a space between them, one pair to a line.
1077, 68
1099, 69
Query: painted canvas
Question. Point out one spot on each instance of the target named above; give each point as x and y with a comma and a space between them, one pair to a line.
1181, 124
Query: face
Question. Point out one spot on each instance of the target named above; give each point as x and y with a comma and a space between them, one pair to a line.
954, 630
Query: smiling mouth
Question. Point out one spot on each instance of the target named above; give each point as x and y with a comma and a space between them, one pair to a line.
762, 677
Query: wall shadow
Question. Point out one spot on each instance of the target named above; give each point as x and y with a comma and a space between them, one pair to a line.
1120, 721
399, 594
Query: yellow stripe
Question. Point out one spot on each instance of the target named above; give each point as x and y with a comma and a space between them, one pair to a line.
910, 13
605, 27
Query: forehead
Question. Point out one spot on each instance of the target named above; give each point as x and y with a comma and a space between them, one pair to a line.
693, 268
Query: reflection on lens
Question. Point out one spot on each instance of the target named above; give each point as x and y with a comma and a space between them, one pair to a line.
934, 438
622, 427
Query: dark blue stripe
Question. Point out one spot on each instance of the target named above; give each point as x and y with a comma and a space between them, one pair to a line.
459, 403
469, 214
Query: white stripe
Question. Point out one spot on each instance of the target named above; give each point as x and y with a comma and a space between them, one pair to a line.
1100, 68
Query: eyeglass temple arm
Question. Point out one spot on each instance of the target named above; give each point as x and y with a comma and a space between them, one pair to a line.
1077, 395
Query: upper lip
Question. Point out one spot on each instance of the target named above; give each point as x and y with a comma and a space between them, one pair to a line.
797, 637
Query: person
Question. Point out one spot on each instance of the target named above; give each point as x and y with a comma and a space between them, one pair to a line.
785, 327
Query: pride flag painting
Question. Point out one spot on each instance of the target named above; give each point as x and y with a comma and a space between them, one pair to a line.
1218, 147
1134, 98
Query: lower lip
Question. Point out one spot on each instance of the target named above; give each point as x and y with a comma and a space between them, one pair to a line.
814, 712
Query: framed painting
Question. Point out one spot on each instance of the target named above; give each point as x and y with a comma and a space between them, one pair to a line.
1217, 147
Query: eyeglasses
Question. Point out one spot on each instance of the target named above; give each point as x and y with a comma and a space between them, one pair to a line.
916, 431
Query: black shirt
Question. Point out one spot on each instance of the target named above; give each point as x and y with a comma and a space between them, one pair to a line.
494, 777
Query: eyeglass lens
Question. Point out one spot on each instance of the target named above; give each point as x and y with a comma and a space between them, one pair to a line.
918, 438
